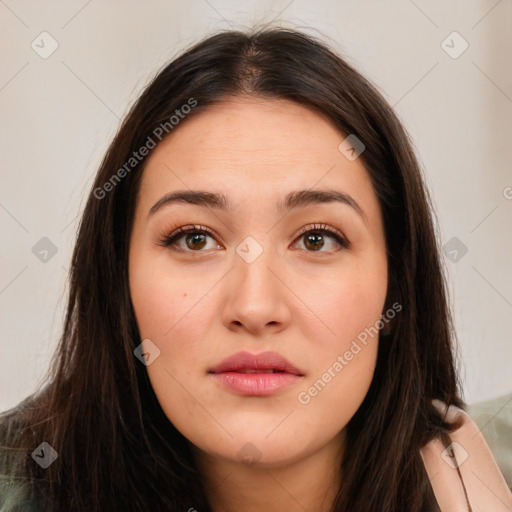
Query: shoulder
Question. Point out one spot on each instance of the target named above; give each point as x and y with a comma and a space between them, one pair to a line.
16, 486
464, 471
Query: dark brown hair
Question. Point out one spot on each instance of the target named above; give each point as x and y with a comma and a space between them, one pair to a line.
117, 449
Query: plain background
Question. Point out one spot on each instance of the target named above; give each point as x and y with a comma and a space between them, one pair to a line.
59, 114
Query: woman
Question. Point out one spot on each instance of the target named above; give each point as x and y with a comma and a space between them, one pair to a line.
257, 315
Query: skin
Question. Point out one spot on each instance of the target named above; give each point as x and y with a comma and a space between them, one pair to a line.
200, 305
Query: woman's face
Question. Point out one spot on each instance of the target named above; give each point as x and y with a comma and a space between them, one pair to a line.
255, 275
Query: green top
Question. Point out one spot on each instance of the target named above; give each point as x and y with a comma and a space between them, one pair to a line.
15, 496
17, 492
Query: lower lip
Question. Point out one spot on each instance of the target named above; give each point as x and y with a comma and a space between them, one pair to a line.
256, 384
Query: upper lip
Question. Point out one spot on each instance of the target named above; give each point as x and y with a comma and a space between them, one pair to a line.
262, 361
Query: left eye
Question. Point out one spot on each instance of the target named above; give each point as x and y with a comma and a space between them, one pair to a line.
314, 239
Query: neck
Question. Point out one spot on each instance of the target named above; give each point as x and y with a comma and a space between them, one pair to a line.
310, 483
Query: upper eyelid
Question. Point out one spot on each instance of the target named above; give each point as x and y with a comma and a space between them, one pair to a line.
191, 228
320, 227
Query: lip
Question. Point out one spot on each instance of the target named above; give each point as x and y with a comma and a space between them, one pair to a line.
249, 374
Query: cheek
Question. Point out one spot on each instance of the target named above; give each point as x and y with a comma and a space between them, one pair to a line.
174, 308
174, 313
165, 302
347, 307
345, 354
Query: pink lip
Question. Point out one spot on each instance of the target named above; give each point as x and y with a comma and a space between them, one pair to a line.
231, 373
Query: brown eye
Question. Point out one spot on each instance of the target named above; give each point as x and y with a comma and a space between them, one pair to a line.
190, 239
195, 241
314, 241
319, 238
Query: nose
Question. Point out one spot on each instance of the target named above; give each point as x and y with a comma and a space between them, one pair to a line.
256, 297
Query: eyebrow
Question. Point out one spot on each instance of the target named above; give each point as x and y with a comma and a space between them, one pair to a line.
293, 200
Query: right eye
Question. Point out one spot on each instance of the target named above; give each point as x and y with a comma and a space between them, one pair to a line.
190, 239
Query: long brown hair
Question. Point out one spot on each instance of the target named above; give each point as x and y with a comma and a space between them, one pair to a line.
117, 450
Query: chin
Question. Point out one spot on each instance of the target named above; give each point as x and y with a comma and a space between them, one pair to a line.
258, 452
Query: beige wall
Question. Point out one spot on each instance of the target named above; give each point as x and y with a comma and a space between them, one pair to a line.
59, 113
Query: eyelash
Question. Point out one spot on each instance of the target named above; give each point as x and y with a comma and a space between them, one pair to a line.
170, 240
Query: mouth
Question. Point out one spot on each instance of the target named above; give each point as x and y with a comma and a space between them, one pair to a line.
253, 370
261, 374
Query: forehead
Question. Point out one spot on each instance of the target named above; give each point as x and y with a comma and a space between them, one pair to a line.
254, 147
242, 127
